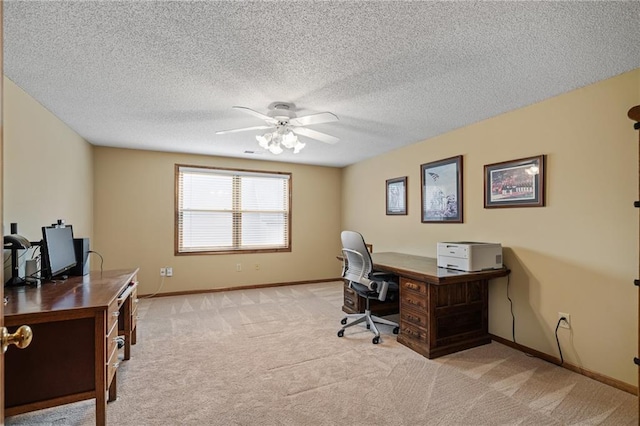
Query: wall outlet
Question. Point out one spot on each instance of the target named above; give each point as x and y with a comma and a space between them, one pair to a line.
169, 271
566, 323
238, 267
163, 272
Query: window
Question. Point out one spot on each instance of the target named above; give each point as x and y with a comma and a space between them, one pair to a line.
231, 211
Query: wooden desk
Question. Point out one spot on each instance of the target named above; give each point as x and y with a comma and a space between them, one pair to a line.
74, 352
441, 310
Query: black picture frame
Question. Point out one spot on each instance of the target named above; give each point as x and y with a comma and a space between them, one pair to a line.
442, 191
515, 183
396, 196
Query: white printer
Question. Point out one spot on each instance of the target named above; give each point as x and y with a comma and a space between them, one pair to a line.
469, 256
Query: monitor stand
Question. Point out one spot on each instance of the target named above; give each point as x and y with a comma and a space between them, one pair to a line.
15, 282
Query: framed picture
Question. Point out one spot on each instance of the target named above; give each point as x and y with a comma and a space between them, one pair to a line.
516, 183
442, 191
397, 196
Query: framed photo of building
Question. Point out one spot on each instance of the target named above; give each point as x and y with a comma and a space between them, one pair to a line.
442, 191
397, 196
515, 183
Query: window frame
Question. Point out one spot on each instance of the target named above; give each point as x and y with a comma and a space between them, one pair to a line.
235, 214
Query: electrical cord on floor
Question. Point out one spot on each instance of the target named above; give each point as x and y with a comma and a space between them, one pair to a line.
156, 292
513, 317
101, 258
558, 341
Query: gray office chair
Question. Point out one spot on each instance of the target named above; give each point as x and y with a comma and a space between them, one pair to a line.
357, 267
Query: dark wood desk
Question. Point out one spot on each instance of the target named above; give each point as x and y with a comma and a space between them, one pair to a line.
441, 310
74, 354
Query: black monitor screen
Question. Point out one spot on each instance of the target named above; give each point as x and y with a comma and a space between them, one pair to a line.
58, 251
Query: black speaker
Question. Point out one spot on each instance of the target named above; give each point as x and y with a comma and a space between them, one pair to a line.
81, 246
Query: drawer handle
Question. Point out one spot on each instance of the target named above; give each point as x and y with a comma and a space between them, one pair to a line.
349, 302
413, 302
413, 286
411, 332
413, 319
116, 364
116, 313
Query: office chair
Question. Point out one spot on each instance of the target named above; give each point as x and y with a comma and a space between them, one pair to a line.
357, 267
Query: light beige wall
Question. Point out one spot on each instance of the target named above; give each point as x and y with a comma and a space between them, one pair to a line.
49, 174
134, 223
577, 255
48, 169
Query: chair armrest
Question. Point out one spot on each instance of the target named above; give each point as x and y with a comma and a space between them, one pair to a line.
382, 290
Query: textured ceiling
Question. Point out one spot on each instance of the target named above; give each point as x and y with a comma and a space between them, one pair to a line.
165, 75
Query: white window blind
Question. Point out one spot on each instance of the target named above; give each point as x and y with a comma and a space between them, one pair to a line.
221, 210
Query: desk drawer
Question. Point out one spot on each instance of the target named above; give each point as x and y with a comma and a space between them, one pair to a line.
134, 306
350, 298
134, 314
413, 301
112, 352
112, 365
112, 315
112, 342
413, 317
416, 334
412, 286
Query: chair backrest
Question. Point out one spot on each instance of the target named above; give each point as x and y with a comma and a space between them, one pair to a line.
357, 265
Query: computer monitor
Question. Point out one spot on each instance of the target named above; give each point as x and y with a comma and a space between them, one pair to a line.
58, 252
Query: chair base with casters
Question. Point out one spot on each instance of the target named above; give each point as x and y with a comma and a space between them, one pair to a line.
366, 317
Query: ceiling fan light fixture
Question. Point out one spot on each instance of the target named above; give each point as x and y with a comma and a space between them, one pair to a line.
289, 139
298, 147
275, 148
281, 137
263, 140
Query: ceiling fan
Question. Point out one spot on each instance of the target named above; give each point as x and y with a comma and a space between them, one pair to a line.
286, 126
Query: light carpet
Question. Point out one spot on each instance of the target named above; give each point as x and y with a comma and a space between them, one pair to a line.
272, 357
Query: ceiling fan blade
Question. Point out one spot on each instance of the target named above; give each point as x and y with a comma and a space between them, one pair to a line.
322, 137
223, 132
257, 114
322, 117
